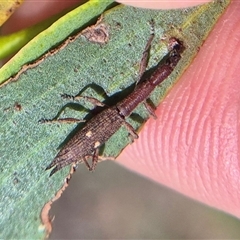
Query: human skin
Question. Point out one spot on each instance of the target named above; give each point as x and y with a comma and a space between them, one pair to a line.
193, 145
162, 4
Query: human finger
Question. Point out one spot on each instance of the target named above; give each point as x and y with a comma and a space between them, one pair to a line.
163, 4
193, 146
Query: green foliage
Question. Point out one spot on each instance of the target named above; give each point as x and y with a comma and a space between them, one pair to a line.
27, 147
49, 38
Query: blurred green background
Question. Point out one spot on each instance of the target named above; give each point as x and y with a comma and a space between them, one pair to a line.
114, 203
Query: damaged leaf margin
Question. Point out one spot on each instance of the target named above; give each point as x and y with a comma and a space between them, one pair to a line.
53, 35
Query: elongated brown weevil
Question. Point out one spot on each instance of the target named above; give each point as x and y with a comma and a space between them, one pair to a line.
86, 142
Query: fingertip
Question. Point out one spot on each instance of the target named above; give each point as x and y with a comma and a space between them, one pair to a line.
163, 4
193, 145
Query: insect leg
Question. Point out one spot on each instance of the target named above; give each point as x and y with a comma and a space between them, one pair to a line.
86, 163
99, 90
92, 100
94, 159
57, 166
131, 130
61, 120
150, 109
145, 57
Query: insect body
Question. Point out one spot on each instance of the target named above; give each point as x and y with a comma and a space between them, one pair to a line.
100, 128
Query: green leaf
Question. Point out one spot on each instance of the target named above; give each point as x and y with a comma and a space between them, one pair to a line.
52, 36
27, 147
11, 43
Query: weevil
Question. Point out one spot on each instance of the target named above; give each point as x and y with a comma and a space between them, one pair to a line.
87, 141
